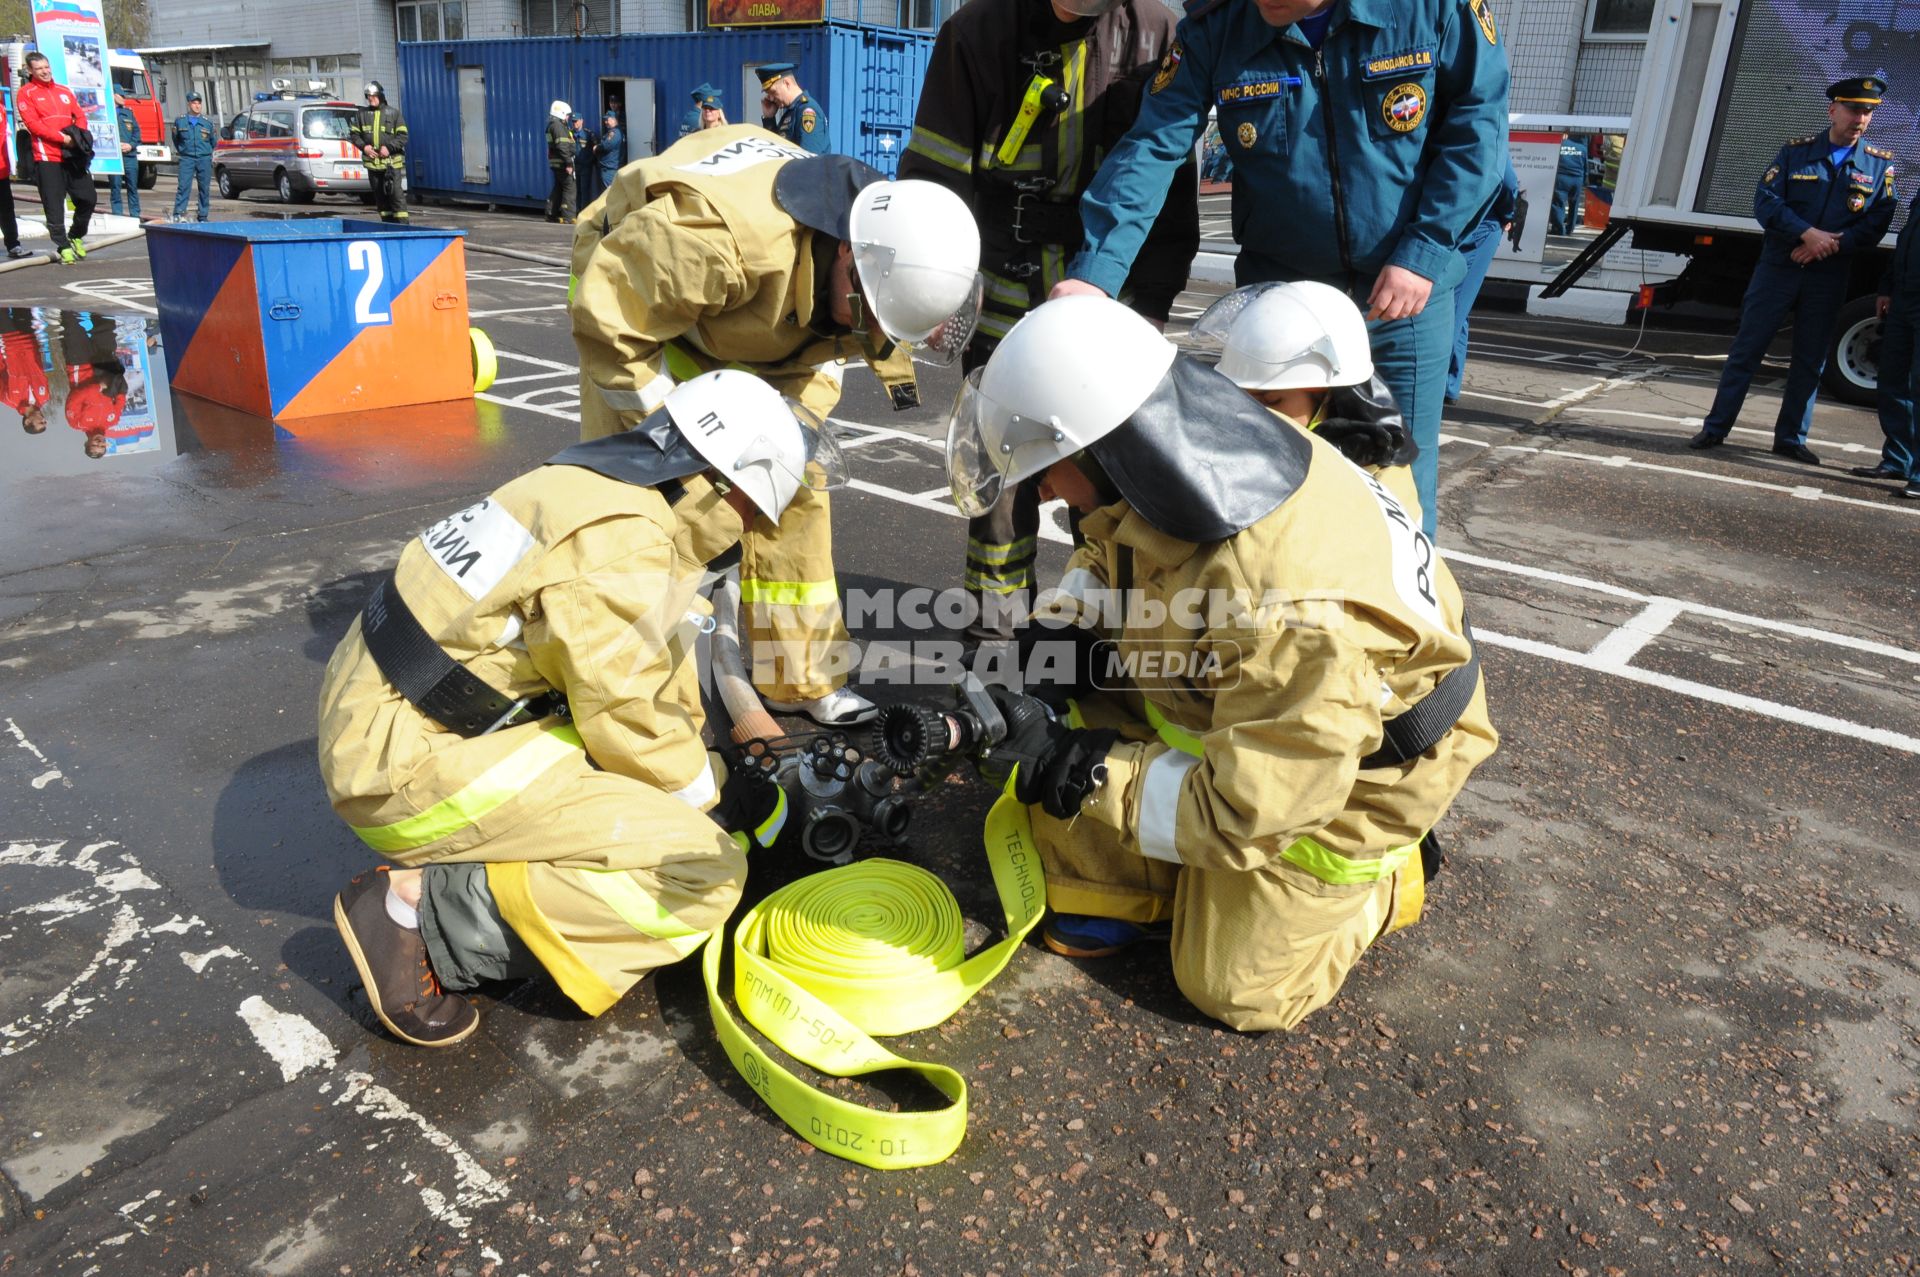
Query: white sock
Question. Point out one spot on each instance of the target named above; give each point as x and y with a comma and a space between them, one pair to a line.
401, 912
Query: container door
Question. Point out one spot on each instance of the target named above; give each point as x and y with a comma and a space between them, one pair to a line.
474, 160
643, 137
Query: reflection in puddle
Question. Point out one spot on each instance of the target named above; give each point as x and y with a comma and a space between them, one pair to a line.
92, 372
103, 378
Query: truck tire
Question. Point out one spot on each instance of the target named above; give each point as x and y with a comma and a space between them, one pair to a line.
1853, 365
149, 174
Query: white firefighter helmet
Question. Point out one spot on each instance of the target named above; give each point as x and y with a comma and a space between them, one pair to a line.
1288, 336
760, 441
916, 249
558, 110
1070, 372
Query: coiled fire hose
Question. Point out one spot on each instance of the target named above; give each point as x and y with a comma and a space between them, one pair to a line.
824, 965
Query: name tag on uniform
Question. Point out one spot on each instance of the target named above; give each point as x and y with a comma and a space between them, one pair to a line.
736, 157
1410, 63
478, 546
1804, 177
1260, 90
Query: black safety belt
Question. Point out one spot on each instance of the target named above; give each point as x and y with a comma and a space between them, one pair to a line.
1408, 735
439, 686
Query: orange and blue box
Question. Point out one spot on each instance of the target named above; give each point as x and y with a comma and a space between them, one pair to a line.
313, 316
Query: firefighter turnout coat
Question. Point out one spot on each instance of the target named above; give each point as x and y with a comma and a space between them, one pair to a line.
687, 264
596, 851
1238, 803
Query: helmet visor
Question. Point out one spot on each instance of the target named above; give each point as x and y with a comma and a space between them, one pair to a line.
1209, 335
945, 344
972, 475
826, 466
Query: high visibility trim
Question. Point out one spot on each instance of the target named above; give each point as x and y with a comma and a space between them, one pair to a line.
1074, 717
503, 781
999, 582
699, 791
769, 829
645, 399
513, 896
985, 552
1172, 733
681, 364
1409, 896
1006, 291
941, 150
1160, 804
789, 593
634, 903
996, 325
1338, 870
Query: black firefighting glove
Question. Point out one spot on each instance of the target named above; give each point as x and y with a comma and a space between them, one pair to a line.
1365, 443
1058, 765
752, 806
1060, 662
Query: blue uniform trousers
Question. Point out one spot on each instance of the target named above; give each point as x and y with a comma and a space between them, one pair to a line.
1564, 213
1411, 357
131, 184
194, 168
1813, 296
1901, 449
1477, 253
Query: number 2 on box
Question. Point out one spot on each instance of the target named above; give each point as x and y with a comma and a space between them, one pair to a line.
364, 255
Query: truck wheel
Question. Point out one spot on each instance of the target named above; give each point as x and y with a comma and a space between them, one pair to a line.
224, 180
1853, 361
149, 174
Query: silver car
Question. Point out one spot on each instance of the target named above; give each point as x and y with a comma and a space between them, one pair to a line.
297, 147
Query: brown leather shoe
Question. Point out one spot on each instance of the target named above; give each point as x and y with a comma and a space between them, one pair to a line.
392, 962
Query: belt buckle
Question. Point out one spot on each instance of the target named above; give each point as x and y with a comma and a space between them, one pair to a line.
1019, 229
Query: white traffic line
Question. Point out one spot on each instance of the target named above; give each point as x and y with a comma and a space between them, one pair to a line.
1798, 491
110, 880
514, 310
117, 292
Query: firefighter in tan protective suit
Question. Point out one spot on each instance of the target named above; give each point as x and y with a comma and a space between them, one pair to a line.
1286, 713
515, 720
736, 249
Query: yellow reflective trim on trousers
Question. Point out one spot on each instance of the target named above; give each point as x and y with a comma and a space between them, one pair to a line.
789, 593
994, 552
682, 365
635, 904
999, 582
811, 974
492, 787
943, 151
513, 897
1172, 734
1328, 866
1340, 871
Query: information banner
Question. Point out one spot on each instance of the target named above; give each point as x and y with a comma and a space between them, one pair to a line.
1536, 159
74, 37
758, 13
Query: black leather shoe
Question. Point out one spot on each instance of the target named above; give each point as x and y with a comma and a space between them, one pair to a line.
1911, 492
1881, 471
1706, 439
1796, 452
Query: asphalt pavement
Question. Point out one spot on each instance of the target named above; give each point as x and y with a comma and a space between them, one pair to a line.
1663, 1015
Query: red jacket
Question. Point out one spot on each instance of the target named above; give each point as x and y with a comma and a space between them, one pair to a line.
23, 382
94, 407
46, 110
6, 163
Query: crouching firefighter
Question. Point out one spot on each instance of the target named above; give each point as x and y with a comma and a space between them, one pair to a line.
1265, 720
733, 248
515, 719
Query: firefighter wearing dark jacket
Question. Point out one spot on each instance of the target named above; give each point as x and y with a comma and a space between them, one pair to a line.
381, 134
1022, 101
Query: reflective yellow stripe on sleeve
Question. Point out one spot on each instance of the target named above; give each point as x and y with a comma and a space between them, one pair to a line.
504, 780
789, 593
941, 150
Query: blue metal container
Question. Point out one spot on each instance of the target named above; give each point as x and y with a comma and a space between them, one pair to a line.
866, 78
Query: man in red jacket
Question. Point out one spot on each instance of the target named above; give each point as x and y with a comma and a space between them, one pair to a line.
57, 124
23, 378
96, 381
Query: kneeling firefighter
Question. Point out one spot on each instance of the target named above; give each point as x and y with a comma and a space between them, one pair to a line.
515, 719
734, 248
1266, 720
1302, 350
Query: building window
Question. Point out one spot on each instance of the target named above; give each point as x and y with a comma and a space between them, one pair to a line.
431, 19
1620, 19
557, 17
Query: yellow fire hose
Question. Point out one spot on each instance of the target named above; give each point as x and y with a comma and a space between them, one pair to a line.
823, 965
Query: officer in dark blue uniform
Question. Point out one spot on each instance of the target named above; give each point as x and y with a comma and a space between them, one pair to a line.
693, 121
1564, 217
1367, 136
1822, 199
797, 117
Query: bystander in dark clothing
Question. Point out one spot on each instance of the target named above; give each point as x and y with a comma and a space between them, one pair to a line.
1482, 242
561, 150
128, 179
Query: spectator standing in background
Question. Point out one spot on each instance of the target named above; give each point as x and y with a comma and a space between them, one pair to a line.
561, 150
193, 139
795, 116
129, 176
1899, 311
9, 223
609, 151
1568, 184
